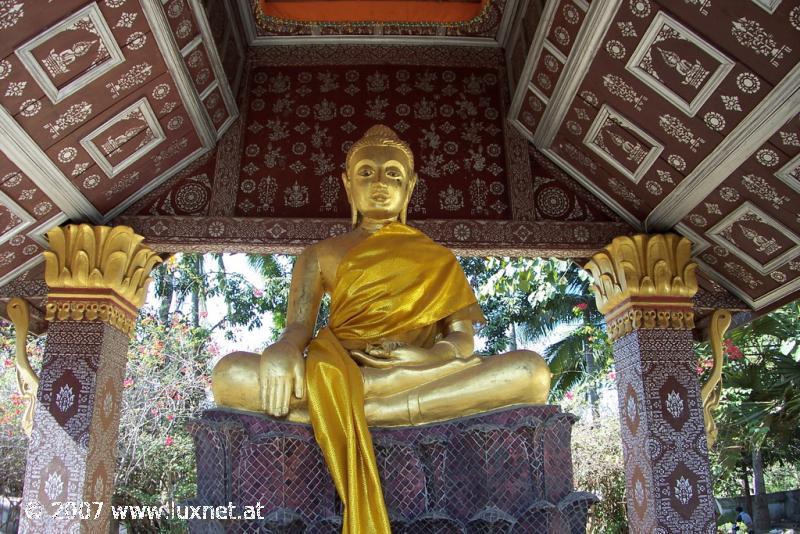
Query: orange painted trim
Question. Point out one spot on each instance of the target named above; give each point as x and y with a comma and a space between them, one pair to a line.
344, 11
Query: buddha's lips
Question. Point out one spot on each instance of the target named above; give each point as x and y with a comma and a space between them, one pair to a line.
379, 195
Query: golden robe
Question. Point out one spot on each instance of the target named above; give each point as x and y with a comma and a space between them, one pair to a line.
395, 284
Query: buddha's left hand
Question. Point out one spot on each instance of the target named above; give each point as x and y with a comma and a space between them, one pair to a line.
403, 356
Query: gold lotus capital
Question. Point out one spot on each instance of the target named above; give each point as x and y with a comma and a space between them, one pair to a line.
97, 272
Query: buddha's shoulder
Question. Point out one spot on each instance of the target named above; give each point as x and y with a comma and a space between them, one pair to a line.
335, 245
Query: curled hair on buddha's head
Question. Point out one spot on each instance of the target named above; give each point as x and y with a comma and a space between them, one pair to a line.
380, 135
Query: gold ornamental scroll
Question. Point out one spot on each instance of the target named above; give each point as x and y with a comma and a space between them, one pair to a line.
27, 380
645, 281
97, 273
711, 390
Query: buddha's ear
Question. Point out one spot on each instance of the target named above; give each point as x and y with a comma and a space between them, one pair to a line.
410, 191
353, 210
346, 182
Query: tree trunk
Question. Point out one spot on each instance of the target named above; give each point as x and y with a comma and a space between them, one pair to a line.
748, 499
760, 506
168, 290
592, 396
513, 342
195, 311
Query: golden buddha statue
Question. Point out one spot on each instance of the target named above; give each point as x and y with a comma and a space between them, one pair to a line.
398, 349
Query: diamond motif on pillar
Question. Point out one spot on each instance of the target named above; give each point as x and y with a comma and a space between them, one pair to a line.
97, 278
644, 286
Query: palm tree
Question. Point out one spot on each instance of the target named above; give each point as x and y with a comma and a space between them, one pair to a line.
529, 300
578, 359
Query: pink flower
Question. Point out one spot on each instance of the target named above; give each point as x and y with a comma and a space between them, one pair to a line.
569, 395
699, 370
169, 441
128, 382
203, 314
153, 412
582, 306
258, 293
734, 353
170, 417
612, 375
8, 362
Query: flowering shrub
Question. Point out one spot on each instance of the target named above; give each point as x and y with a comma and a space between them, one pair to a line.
598, 468
166, 383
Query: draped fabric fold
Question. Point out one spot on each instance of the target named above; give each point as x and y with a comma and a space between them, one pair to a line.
395, 281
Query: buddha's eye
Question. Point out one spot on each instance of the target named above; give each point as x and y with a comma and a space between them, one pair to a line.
366, 172
394, 173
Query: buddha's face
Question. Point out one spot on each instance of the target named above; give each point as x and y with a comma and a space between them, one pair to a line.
379, 181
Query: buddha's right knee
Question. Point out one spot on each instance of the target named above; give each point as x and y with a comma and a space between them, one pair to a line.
234, 381
534, 375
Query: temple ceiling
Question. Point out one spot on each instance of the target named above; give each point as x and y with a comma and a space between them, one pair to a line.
542, 128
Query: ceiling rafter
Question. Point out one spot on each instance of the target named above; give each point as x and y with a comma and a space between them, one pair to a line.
170, 50
739, 145
595, 26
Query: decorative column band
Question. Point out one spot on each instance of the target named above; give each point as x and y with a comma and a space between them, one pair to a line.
97, 273
645, 281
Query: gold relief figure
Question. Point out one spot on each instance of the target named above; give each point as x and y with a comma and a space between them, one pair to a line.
398, 349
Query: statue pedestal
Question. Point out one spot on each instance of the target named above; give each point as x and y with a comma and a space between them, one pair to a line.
505, 471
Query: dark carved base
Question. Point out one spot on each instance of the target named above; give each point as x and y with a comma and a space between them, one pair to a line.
509, 471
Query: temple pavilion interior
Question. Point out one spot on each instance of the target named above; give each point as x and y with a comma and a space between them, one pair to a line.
539, 128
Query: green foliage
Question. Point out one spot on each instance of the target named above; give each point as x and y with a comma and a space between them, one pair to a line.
535, 297
201, 278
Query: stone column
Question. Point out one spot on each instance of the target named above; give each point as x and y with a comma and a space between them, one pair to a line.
97, 279
644, 286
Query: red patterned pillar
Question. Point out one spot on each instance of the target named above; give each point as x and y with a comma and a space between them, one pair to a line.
97, 278
644, 286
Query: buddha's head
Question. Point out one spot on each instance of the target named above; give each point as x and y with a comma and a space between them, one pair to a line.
379, 175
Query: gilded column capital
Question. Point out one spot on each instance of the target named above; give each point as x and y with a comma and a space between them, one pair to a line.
97, 273
645, 281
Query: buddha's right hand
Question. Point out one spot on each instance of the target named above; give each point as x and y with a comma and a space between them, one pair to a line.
282, 372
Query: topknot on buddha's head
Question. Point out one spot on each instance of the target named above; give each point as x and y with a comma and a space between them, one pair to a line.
380, 135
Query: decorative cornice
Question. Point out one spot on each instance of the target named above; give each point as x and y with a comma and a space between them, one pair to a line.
465, 237
60, 308
344, 51
97, 272
645, 281
644, 316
